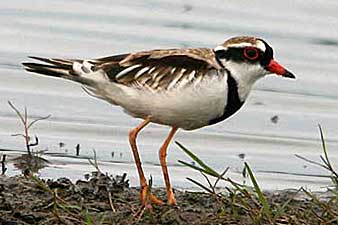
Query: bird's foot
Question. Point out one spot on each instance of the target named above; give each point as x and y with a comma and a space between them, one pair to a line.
171, 198
147, 198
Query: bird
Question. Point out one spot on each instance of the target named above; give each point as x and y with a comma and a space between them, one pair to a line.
183, 88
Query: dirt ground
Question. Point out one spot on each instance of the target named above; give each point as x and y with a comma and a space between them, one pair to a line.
103, 199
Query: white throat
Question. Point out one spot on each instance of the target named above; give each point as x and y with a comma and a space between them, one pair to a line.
246, 75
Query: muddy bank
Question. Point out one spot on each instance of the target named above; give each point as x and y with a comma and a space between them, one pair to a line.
103, 199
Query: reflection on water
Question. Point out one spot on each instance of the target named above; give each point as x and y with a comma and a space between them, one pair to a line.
279, 120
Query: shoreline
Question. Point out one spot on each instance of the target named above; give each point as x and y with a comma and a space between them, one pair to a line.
106, 199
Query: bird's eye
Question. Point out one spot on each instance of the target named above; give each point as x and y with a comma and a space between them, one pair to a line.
251, 53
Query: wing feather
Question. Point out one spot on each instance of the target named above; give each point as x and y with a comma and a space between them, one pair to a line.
159, 69
156, 70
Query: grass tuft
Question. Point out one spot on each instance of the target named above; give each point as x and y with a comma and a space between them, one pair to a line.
251, 202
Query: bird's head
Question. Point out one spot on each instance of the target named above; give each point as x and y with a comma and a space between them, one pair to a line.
249, 58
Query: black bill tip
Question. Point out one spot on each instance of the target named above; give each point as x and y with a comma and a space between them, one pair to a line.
288, 74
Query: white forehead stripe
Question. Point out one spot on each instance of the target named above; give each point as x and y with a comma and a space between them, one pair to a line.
241, 45
220, 47
259, 44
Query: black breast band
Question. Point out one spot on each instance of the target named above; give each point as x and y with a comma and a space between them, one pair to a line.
233, 104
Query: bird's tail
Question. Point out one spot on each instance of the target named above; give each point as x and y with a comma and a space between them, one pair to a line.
63, 68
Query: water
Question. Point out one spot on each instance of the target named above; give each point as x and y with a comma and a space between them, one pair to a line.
305, 40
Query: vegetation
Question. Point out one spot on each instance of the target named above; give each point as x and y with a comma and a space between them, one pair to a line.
32, 161
250, 204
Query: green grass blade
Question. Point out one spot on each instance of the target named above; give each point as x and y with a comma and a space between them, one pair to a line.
322, 140
192, 166
310, 161
325, 159
281, 209
200, 185
102, 219
221, 176
86, 217
209, 170
209, 182
41, 184
261, 198
197, 168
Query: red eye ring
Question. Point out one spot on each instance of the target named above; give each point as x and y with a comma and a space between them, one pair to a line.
251, 53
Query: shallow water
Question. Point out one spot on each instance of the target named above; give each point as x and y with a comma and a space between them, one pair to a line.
305, 41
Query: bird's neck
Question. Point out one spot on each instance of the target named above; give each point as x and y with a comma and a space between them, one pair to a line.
245, 78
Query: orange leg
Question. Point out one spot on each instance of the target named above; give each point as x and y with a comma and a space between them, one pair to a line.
143, 182
163, 155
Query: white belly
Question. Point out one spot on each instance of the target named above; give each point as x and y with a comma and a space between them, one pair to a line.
189, 108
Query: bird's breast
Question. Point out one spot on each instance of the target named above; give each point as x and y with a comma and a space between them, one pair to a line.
233, 101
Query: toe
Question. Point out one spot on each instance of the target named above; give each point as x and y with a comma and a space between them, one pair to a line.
171, 199
148, 198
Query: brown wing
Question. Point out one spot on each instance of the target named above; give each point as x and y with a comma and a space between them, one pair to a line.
158, 69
